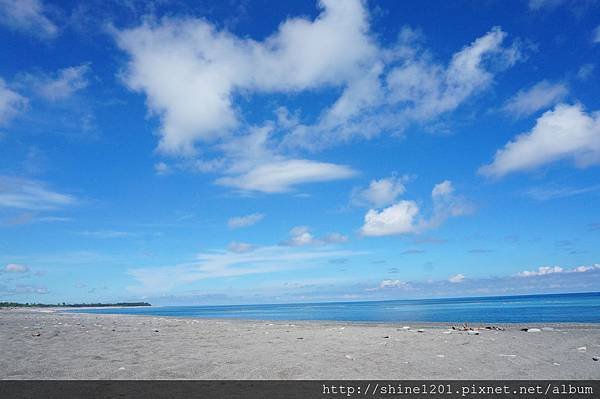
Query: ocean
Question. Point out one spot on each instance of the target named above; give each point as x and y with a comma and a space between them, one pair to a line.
551, 308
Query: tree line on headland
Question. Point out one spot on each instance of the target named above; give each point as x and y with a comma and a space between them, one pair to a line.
69, 305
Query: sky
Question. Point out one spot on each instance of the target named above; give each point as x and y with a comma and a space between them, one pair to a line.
196, 152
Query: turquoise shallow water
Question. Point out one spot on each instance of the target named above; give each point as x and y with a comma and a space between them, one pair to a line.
584, 308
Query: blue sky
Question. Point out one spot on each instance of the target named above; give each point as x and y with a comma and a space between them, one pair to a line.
251, 151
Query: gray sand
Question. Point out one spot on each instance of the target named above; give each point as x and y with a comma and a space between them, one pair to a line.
80, 346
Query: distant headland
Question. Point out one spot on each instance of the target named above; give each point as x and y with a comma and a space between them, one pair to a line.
71, 305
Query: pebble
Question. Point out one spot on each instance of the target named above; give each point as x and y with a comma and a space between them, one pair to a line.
596, 358
349, 357
406, 328
582, 348
440, 356
556, 364
471, 332
533, 330
420, 330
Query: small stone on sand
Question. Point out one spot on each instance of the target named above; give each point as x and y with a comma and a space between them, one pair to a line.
582, 348
471, 332
533, 330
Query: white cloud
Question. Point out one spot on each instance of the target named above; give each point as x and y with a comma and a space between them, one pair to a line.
410, 89
404, 217
282, 176
63, 84
442, 189
545, 270
15, 268
542, 95
11, 103
189, 70
567, 132
229, 264
191, 73
240, 247
301, 236
245, 221
161, 168
400, 218
381, 192
392, 284
596, 35
27, 16
30, 194
457, 278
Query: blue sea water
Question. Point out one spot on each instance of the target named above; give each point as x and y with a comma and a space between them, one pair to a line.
552, 308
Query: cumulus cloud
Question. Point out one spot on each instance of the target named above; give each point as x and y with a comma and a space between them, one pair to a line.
245, 221
282, 176
405, 217
189, 70
565, 133
15, 268
542, 95
193, 72
457, 278
27, 16
30, 194
11, 103
60, 85
400, 218
380, 192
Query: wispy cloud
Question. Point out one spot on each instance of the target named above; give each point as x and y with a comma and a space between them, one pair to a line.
28, 194
245, 221
541, 96
28, 16
270, 259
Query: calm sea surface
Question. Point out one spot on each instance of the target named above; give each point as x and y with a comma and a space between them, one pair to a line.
506, 309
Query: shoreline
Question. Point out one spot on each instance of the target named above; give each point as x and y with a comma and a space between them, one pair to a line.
69, 345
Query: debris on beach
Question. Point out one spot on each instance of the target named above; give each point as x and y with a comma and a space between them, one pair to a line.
472, 332
533, 330
596, 358
420, 330
36, 334
465, 327
299, 337
406, 328
582, 348
386, 336
349, 357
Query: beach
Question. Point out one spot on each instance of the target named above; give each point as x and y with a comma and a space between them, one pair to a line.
48, 344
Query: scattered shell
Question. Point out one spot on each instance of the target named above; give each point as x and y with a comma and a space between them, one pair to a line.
349, 357
582, 348
533, 330
472, 332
